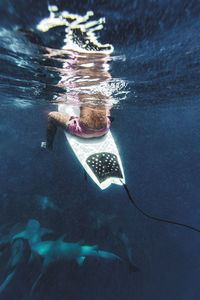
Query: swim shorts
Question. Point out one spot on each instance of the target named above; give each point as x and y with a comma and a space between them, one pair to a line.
78, 129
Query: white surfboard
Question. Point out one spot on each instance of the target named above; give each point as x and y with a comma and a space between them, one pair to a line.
98, 156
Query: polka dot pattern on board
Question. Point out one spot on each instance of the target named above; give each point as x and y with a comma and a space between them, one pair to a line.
104, 165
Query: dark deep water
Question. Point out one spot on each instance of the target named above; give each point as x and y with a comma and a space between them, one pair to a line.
156, 127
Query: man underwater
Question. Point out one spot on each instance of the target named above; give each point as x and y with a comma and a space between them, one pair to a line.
92, 123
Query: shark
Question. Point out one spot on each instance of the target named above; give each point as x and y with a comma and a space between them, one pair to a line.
52, 251
59, 250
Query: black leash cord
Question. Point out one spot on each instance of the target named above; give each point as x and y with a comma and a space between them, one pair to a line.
155, 218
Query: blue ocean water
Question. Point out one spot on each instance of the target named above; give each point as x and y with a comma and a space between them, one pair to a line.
155, 72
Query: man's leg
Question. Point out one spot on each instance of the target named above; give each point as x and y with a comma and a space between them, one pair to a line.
55, 119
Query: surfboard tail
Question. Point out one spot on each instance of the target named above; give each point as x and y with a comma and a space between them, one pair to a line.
105, 168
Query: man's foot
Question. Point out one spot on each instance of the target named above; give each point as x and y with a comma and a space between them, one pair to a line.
45, 146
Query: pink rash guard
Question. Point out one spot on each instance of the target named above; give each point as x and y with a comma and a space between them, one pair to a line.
78, 129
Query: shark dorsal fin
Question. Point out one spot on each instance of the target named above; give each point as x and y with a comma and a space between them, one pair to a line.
95, 247
81, 242
61, 239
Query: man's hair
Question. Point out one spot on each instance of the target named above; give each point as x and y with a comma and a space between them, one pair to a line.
94, 118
